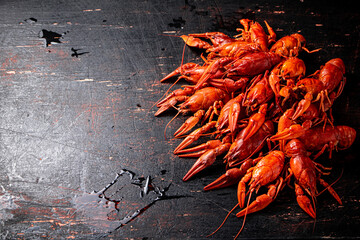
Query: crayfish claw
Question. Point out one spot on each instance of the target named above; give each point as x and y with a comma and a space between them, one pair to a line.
231, 177
303, 105
199, 150
207, 159
234, 113
241, 191
294, 131
170, 103
304, 202
189, 123
195, 42
195, 135
260, 203
179, 70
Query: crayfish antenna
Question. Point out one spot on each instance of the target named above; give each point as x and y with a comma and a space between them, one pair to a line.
227, 216
246, 211
169, 123
182, 61
314, 203
163, 95
183, 53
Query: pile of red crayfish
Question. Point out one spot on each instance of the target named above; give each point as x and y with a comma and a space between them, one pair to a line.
268, 120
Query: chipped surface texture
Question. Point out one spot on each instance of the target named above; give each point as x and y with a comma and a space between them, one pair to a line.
77, 109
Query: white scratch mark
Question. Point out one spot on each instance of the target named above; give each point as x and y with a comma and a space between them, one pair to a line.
26, 45
114, 84
25, 72
92, 10
104, 81
85, 80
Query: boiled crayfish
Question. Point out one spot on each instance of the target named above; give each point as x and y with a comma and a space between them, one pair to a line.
267, 119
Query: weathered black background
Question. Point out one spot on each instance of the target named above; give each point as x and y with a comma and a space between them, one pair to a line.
69, 124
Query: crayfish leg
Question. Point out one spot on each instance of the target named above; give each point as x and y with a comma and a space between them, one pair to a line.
272, 34
255, 122
331, 190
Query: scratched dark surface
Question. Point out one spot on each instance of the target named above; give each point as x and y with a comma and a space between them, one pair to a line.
76, 111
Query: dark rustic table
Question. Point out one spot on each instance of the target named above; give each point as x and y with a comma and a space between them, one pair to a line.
81, 154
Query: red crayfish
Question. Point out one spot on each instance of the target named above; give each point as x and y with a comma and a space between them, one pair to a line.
252, 98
